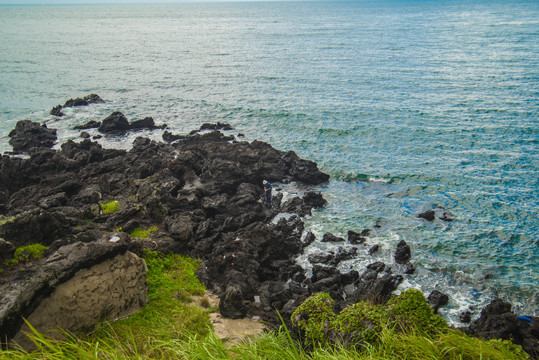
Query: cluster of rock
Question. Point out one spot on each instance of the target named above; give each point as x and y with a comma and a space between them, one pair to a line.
87, 100
203, 192
117, 124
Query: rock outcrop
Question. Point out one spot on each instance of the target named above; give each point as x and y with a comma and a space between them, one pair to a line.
108, 290
85, 101
203, 192
31, 137
497, 321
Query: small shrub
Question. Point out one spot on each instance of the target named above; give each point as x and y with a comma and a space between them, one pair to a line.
359, 322
315, 317
110, 207
410, 311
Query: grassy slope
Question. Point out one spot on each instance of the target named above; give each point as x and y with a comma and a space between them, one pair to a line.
168, 328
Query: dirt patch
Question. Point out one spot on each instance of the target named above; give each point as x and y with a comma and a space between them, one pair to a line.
231, 331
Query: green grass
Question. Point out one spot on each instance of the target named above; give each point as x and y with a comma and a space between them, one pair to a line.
169, 328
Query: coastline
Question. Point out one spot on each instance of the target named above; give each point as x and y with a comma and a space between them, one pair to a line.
202, 192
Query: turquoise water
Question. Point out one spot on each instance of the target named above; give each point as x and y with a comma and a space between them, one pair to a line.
408, 105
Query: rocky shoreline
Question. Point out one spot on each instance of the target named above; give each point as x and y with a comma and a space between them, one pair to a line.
202, 192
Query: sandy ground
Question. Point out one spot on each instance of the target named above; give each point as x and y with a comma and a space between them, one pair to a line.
231, 331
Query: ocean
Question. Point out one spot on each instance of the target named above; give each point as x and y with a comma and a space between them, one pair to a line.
409, 105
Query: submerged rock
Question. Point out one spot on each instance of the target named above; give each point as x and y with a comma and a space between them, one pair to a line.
87, 100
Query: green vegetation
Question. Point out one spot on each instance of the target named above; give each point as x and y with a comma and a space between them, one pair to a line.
362, 323
141, 233
169, 328
26, 253
4, 219
110, 207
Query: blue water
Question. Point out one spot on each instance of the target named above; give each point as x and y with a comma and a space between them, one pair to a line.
408, 105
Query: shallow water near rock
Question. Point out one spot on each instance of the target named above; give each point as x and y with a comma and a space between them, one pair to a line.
408, 105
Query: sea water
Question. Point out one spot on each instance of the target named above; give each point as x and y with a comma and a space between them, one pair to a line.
409, 105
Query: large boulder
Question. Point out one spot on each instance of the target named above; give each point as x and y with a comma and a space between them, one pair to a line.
106, 291
28, 286
115, 123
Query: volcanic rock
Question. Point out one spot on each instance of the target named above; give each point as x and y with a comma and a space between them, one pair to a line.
403, 253
497, 321
328, 237
428, 215
87, 100
436, 299
31, 137
115, 123
231, 303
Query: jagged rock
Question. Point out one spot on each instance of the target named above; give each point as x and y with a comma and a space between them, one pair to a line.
403, 253
209, 126
328, 237
31, 137
320, 258
377, 266
146, 123
314, 199
356, 238
497, 321
428, 215
92, 124
409, 268
115, 123
57, 111
371, 286
465, 317
169, 137
87, 100
6, 250
343, 255
436, 299
374, 249
231, 303
36, 226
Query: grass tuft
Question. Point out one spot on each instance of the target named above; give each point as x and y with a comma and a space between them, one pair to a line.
141, 233
110, 207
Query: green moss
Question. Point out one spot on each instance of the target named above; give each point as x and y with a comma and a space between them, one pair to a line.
4, 219
110, 207
410, 311
26, 253
141, 233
